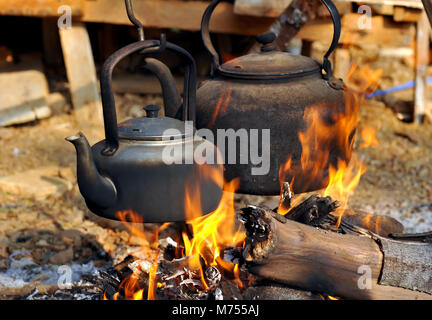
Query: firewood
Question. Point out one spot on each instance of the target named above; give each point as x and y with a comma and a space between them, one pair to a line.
275, 291
314, 259
312, 210
315, 209
379, 224
285, 198
421, 237
406, 264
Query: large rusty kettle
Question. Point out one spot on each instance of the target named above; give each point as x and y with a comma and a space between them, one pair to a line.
270, 90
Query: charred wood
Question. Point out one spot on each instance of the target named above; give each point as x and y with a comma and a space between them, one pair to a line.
314, 259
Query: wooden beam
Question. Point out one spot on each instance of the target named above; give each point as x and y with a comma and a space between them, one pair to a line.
383, 31
404, 3
261, 8
422, 61
38, 8
402, 14
81, 72
185, 15
342, 64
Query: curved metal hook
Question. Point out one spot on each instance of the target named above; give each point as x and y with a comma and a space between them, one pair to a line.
134, 20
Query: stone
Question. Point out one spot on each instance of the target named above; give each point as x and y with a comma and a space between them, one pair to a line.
62, 257
3, 250
24, 91
4, 264
42, 243
57, 103
35, 184
67, 174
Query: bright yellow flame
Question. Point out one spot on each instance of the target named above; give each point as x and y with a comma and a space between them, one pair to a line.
213, 233
138, 295
323, 135
209, 235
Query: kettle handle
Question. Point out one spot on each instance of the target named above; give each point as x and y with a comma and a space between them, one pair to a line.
205, 35
107, 93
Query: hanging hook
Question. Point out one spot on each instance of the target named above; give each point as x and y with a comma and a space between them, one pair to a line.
134, 20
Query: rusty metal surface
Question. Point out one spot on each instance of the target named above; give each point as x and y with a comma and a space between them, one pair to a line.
272, 90
280, 107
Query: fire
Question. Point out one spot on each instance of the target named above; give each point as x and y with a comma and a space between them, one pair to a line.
368, 137
204, 241
213, 233
321, 135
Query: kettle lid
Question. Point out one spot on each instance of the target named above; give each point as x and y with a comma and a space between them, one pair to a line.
269, 63
153, 127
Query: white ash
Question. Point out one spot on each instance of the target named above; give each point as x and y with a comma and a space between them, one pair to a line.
139, 266
231, 255
25, 271
166, 242
218, 295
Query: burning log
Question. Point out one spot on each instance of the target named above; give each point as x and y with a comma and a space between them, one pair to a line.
313, 259
313, 210
379, 224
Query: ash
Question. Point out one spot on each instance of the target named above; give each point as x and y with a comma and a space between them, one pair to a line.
49, 282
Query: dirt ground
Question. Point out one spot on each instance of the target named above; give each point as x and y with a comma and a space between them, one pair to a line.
41, 235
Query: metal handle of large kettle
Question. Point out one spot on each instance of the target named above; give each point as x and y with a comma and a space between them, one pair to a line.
107, 93
326, 66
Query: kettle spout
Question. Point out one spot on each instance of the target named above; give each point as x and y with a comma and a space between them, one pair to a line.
98, 190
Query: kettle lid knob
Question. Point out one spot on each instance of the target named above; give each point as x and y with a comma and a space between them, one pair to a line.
152, 111
266, 38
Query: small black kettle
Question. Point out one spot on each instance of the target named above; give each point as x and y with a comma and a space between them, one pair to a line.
134, 168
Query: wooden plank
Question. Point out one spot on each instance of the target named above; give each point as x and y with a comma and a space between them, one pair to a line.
384, 31
261, 8
404, 3
81, 72
422, 61
185, 15
342, 64
402, 14
38, 8
427, 4
383, 9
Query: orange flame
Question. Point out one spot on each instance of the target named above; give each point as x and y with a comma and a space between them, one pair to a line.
322, 135
209, 236
213, 233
